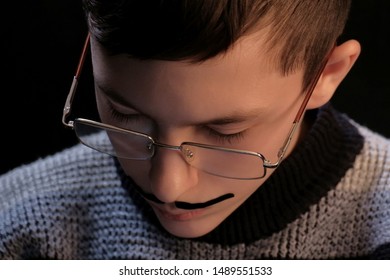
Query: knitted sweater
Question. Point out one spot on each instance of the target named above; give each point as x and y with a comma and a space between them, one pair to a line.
330, 199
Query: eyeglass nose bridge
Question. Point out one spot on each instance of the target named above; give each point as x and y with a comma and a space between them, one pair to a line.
187, 153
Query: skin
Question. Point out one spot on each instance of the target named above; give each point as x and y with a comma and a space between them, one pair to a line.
174, 102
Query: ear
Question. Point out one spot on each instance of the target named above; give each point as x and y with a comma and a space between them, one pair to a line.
340, 62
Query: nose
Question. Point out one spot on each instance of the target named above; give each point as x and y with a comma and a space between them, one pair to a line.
170, 175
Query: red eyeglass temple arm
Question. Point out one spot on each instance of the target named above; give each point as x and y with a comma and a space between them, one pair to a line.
299, 115
73, 87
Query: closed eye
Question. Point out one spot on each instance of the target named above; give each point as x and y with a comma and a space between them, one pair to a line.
225, 138
124, 118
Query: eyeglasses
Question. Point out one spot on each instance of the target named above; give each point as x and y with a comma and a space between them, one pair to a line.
133, 145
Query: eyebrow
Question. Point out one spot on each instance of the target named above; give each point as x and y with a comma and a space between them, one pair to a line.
233, 118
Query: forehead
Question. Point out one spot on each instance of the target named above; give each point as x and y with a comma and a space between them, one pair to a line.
241, 79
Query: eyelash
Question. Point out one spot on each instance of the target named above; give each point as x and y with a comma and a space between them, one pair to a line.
223, 138
124, 118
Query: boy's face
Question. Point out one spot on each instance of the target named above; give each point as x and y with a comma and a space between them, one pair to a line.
237, 100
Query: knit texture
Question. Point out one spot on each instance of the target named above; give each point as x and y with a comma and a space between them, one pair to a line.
329, 199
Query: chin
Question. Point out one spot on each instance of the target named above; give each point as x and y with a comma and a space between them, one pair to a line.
189, 226
185, 230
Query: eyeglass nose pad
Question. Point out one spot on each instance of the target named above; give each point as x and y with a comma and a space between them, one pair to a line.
188, 154
151, 149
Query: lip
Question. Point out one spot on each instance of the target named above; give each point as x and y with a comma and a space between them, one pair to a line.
179, 215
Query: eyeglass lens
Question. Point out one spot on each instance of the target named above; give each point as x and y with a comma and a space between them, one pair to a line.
213, 160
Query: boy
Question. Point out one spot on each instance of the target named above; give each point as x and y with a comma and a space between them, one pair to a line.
216, 140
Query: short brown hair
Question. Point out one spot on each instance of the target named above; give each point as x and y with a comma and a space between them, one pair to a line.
302, 31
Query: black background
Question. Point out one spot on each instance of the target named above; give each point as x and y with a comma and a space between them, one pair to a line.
42, 40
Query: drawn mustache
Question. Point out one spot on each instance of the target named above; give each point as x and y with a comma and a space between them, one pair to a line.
185, 205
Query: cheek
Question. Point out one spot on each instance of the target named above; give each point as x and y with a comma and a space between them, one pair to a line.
138, 170
242, 189
212, 186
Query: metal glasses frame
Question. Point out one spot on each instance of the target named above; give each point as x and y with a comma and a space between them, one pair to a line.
266, 163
